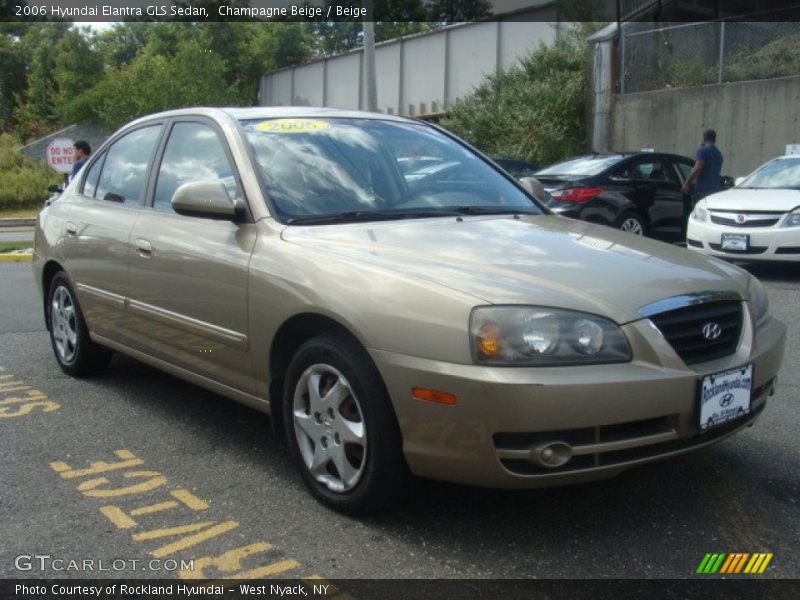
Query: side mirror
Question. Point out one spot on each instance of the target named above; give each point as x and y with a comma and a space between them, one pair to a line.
54, 189
739, 180
534, 187
727, 182
207, 199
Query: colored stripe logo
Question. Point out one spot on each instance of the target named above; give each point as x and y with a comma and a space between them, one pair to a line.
734, 563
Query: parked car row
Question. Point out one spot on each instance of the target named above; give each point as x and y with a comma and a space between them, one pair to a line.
758, 219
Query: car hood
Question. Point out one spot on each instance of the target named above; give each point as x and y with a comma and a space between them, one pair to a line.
542, 260
752, 200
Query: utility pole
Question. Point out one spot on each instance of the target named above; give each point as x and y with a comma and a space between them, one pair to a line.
368, 28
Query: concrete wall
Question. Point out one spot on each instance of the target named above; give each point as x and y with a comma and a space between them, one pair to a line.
417, 75
754, 120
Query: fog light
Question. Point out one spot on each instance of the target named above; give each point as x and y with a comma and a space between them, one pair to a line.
551, 455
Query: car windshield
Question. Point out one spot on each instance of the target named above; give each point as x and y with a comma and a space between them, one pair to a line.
334, 170
779, 173
585, 166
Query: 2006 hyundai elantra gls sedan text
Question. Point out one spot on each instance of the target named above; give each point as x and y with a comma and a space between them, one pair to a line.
435, 322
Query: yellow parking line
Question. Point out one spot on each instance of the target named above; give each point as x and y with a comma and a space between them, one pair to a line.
126, 476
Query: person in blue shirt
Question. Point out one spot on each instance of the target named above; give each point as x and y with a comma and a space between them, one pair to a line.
82, 152
706, 174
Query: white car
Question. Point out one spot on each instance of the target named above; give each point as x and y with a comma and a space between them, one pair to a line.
758, 220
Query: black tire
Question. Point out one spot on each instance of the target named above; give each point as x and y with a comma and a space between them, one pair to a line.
383, 473
631, 222
76, 353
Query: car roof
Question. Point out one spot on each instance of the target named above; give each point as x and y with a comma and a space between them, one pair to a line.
624, 154
273, 112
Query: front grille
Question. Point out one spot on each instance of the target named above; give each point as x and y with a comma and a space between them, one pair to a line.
683, 329
751, 221
750, 250
788, 250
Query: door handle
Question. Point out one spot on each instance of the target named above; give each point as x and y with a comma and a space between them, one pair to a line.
70, 228
144, 248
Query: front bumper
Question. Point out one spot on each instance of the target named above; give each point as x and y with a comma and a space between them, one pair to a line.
610, 416
766, 243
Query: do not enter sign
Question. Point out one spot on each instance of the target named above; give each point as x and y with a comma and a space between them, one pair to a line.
61, 154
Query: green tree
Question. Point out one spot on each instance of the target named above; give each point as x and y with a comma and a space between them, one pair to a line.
333, 37
456, 11
37, 104
12, 77
536, 110
154, 82
289, 44
76, 67
120, 44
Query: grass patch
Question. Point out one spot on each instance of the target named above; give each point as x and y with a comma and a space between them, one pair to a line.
23, 182
11, 246
19, 213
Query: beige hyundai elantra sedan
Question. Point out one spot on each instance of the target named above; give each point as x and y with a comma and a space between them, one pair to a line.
395, 316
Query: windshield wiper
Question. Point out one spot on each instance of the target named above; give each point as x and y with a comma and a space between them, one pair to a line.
492, 210
780, 187
358, 216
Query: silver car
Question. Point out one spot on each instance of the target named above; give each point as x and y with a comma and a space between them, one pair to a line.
435, 322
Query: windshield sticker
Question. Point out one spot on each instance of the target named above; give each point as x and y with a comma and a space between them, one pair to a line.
291, 126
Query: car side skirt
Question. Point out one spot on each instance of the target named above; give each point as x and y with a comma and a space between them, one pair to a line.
259, 404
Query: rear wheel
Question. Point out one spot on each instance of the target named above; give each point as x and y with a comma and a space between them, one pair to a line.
76, 353
341, 428
631, 223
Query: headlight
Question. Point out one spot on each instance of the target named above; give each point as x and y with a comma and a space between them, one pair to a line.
758, 303
793, 220
700, 213
533, 336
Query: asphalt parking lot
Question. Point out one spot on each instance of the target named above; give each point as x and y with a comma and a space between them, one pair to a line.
200, 485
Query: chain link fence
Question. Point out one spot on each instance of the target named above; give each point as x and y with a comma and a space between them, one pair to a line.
703, 53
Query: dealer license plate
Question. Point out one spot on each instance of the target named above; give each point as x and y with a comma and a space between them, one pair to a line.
735, 241
725, 396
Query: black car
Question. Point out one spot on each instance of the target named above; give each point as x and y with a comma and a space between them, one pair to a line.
515, 167
639, 192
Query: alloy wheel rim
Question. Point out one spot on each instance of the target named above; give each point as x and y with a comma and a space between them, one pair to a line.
64, 325
329, 428
632, 225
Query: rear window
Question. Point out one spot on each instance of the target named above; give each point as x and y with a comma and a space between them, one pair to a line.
585, 166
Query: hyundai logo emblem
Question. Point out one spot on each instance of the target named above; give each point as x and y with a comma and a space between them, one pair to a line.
741, 218
711, 331
726, 400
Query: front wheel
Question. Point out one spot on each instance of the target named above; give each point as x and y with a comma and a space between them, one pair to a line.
341, 428
76, 353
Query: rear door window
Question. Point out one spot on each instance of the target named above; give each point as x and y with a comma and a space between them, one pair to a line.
650, 169
683, 168
124, 173
92, 176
